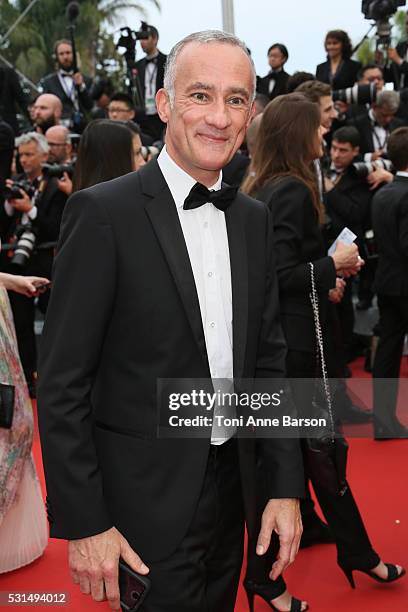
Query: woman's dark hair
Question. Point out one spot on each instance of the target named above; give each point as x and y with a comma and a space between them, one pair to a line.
286, 146
105, 152
342, 37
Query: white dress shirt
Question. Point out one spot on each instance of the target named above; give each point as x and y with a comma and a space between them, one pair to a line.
205, 234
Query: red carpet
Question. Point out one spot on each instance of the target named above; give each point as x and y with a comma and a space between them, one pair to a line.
378, 473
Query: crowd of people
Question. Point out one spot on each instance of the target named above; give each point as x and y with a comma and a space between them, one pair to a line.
134, 276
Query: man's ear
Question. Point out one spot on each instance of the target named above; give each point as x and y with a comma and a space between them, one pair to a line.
356, 151
251, 114
163, 104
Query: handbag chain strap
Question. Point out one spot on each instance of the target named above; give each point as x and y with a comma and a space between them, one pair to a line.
314, 298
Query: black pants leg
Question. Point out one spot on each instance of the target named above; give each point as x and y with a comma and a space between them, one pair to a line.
203, 572
393, 327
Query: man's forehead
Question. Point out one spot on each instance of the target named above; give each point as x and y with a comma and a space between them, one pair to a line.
197, 64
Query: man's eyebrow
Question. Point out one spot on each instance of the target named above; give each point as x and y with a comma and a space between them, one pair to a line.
208, 87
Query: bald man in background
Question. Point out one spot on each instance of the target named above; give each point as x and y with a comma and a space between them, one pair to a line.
47, 112
59, 141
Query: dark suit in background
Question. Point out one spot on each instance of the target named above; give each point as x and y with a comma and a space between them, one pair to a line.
11, 95
390, 222
133, 301
52, 84
280, 79
365, 128
6, 154
345, 76
151, 124
297, 241
50, 206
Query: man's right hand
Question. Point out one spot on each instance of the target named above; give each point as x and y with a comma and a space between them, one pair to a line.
94, 564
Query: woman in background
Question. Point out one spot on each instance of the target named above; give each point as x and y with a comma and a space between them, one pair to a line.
282, 174
23, 524
339, 70
108, 149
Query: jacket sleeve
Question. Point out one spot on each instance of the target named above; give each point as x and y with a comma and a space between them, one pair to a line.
282, 461
291, 204
78, 315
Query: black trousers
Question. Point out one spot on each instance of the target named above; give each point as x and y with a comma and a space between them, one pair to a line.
202, 575
393, 327
341, 512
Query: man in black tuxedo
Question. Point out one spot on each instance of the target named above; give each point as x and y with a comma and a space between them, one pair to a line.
11, 94
150, 71
41, 210
275, 82
376, 124
348, 204
72, 88
390, 223
154, 280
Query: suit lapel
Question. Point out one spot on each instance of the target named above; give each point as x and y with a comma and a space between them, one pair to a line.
164, 218
239, 282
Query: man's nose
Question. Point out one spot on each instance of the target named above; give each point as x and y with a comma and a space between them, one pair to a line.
219, 115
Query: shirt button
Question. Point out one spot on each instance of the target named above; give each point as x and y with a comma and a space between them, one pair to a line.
212, 324
210, 274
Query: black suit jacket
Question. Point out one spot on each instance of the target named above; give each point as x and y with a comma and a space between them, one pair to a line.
141, 69
390, 224
281, 83
365, 129
51, 84
123, 313
349, 205
11, 94
297, 241
346, 75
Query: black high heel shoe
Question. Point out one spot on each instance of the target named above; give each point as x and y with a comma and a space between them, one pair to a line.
265, 591
392, 574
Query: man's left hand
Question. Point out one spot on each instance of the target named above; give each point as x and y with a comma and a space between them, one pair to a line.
283, 517
23, 204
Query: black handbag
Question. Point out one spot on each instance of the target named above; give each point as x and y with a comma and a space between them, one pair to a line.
326, 454
6, 405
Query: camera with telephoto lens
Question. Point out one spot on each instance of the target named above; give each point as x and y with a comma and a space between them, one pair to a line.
57, 170
26, 237
358, 94
363, 169
13, 192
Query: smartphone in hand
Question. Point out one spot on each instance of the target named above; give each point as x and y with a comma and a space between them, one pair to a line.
133, 588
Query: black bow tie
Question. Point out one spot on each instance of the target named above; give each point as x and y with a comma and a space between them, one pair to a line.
200, 195
274, 73
151, 59
67, 73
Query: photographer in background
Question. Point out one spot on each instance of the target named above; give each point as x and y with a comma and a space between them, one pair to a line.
101, 94
376, 124
275, 82
30, 216
390, 223
59, 142
151, 73
72, 88
6, 153
348, 203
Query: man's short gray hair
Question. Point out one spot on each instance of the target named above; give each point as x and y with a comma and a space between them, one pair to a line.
202, 38
390, 99
41, 141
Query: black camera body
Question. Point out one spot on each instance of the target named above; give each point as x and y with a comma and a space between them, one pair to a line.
13, 192
380, 9
128, 37
57, 170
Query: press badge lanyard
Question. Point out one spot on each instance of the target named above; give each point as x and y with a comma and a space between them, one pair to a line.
69, 91
150, 93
